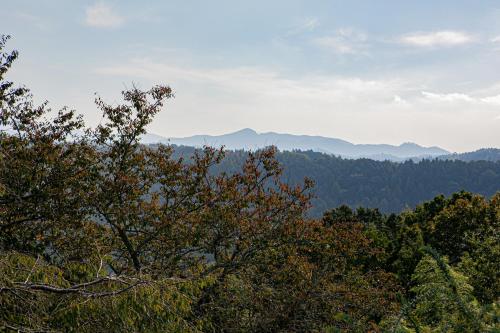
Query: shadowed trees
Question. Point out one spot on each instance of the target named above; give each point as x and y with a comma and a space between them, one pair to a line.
100, 233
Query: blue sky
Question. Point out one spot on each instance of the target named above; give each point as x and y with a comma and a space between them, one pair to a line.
364, 71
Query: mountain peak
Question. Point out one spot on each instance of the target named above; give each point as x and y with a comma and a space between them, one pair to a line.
409, 144
248, 139
245, 131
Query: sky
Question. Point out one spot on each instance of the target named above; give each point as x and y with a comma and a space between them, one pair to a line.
363, 71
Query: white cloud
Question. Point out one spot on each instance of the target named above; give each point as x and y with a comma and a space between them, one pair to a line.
352, 93
344, 41
260, 82
495, 39
494, 100
101, 15
357, 109
461, 97
453, 97
437, 38
400, 101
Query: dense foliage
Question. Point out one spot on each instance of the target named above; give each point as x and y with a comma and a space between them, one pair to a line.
389, 186
484, 154
99, 233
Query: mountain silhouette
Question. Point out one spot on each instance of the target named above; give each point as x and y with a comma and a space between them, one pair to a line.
248, 139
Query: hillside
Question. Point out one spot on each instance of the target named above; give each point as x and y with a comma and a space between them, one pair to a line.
485, 154
100, 232
389, 186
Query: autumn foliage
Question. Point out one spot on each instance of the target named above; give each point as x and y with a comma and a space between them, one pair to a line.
101, 233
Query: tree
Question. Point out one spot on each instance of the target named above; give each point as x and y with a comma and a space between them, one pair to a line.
108, 215
100, 233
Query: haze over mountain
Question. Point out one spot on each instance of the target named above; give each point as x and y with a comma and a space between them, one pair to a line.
484, 154
248, 139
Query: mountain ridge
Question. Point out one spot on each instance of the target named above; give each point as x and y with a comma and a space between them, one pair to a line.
249, 139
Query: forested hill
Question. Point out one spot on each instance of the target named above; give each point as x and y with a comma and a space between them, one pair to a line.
248, 139
389, 186
100, 233
485, 154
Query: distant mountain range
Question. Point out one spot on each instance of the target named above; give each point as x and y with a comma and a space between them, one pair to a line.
248, 139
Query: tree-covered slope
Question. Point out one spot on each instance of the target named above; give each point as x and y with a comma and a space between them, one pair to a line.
484, 154
100, 233
389, 186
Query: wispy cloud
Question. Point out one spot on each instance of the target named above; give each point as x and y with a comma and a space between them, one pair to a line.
451, 97
308, 24
436, 38
244, 96
257, 81
101, 15
344, 41
353, 93
461, 97
399, 101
